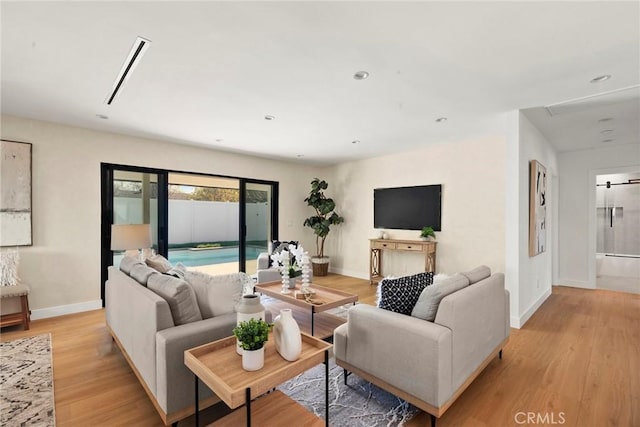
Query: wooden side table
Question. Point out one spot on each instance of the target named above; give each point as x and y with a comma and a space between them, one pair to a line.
219, 366
377, 246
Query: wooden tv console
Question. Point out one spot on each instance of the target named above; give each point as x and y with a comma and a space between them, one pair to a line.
377, 246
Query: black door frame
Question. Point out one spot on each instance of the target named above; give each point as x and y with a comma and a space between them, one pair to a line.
106, 185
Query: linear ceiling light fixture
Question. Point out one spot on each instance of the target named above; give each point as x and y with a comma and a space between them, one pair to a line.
133, 59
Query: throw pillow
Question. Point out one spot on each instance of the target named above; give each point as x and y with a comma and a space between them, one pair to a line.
127, 264
477, 274
180, 296
9, 261
159, 262
178, 271
429, 300
141, 272
217, 294
401, 294
276, 246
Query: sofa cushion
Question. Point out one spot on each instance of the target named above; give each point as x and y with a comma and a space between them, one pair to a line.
429, 300
402, 293
219, 294
179, 295
127, 264
179, 271
477, 274
159, 262
141, 272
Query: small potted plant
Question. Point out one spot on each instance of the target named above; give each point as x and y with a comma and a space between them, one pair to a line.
252, 335
427, 233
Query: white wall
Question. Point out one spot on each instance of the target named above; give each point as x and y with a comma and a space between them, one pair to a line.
577, 216
533, 274
63, 265
472, 174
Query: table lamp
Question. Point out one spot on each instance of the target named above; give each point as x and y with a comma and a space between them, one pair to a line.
130, 238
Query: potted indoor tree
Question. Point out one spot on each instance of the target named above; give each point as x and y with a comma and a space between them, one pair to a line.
321, 223
427, 233
252, 334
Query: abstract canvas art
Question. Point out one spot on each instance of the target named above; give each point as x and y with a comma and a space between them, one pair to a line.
537, 208
15, 193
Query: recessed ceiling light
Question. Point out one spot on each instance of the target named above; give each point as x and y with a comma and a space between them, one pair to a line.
269, 117
102, 116
601, 78
606, 131
441, 119
361, 75
606, 119
355, 141
607, 140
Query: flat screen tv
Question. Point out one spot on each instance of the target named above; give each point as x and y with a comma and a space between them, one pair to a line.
407, 208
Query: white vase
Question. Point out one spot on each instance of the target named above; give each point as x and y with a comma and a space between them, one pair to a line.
286, 334
253, 360
249, 307
292, 282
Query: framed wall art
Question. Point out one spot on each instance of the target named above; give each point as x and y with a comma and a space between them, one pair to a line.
15, 193
537, 208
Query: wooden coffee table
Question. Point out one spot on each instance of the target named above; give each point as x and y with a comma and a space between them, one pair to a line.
219, 366
324, 299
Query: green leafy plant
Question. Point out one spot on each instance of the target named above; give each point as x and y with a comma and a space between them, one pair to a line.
427, 232
325, 216
252, 334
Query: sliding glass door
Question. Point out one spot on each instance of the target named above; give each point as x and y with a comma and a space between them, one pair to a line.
208, 223
259, 202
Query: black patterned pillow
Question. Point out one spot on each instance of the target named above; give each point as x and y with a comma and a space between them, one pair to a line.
276, 246
401, 294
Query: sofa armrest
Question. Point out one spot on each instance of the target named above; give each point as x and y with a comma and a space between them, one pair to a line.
269, 275
174, 379
411, 354
263, 261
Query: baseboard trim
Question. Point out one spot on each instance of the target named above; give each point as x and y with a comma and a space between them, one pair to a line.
349, 273
61, 310
534, 307
574, 283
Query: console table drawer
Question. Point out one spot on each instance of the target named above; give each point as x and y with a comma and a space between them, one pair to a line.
384, 245
409, 247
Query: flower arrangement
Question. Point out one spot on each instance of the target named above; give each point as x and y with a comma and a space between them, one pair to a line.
290, 259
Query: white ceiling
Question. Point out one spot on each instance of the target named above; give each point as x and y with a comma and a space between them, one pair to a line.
215, 69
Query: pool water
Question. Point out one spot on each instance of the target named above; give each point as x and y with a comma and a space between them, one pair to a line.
206, 257
211, 256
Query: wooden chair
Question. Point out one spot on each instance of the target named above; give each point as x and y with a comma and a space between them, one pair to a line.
22, 317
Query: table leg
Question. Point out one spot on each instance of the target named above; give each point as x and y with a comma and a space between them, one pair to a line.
313, 314
197, 404
248, 405
326, 391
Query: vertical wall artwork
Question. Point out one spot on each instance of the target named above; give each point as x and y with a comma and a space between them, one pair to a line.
537, 208
15, 193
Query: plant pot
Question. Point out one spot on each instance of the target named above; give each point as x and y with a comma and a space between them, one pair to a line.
253, 360
249, 307
292, 282
320, 265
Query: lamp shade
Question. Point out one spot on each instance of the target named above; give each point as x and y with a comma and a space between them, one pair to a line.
130, 236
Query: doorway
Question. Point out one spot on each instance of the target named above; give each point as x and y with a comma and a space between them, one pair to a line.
618, 231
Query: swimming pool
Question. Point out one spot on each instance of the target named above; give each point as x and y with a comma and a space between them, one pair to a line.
207, 257
211, 256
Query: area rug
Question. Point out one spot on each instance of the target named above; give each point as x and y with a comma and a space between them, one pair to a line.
26, 382
359, 403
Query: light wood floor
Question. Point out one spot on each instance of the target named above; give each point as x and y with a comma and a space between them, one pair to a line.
577, 359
